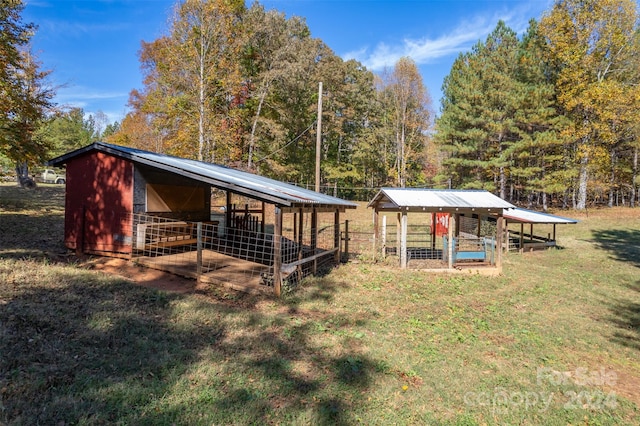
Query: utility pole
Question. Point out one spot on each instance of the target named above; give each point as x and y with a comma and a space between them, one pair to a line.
319, 137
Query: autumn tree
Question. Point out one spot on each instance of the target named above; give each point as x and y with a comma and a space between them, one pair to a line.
192, 79
592, 44
25, 96
271, 52
406, 104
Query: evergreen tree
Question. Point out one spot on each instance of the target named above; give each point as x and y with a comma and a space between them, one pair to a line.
478, 127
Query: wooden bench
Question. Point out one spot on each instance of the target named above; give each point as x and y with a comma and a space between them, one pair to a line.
165, 234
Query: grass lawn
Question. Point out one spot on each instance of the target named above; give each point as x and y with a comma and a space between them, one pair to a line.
554, 340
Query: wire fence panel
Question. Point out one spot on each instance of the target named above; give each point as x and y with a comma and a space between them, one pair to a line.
243, 259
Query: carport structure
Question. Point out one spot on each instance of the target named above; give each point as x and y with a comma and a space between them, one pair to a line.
522, 241
456, 205
156, 208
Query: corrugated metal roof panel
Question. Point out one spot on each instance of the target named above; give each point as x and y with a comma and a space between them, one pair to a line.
436, 198
232, 178
530, 216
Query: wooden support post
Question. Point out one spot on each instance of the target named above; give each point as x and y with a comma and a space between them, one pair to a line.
263, 218
376, 231
199, 251
433, 230
277, 253
300, 235
346, 239
521, 248
554, 232
314, 239
403, 240
336, 235
398, 233
295, 227
500, 237
383, 236
479, 225
299, 238
228, 213
450, 245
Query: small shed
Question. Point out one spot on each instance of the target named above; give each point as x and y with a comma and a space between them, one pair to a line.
519, 240
125, 202
452, 206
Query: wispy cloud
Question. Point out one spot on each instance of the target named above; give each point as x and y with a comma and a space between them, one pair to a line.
82, 94
79, 29
426, 50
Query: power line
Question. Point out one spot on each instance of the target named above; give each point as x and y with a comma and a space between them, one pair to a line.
288, 143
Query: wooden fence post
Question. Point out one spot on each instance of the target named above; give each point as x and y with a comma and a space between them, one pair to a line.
277, 253
336, 235
199, 251
383, 237
403, 240
314, 239
346, 239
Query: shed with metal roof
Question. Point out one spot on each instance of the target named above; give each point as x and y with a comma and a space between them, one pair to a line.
449, 205
109, 184
522, 241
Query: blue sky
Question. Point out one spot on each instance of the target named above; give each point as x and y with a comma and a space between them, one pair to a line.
92, 45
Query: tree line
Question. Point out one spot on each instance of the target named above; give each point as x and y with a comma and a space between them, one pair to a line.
548, 118
551, 116
238, 85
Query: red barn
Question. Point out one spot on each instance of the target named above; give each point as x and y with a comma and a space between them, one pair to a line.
109, 187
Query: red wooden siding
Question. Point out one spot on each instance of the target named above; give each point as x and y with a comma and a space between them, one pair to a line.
99, 200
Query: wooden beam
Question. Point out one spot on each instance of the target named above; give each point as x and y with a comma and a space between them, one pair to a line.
383, 237
521, 248
314, 238
277, 253
398, 233
499, 239
376, 232
450, 247
336, 235
228, 212
433, 231
199, 251
403, 240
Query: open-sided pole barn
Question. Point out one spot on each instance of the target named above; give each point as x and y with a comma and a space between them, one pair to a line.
128, 202
522, 241
455, 205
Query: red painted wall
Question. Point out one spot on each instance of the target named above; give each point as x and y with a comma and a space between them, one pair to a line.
99, 202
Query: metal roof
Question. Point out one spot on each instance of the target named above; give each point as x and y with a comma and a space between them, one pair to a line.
236, 181
529, 216
446, 199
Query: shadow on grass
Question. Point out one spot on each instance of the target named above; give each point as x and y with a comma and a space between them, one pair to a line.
84, 348
80, 347
622, 244
626, 316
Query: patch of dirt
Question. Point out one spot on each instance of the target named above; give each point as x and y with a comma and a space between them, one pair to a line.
628, 385
146, 277
165, 281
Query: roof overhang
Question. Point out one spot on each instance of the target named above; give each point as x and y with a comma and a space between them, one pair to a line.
232, 180
519, 215
435, 200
